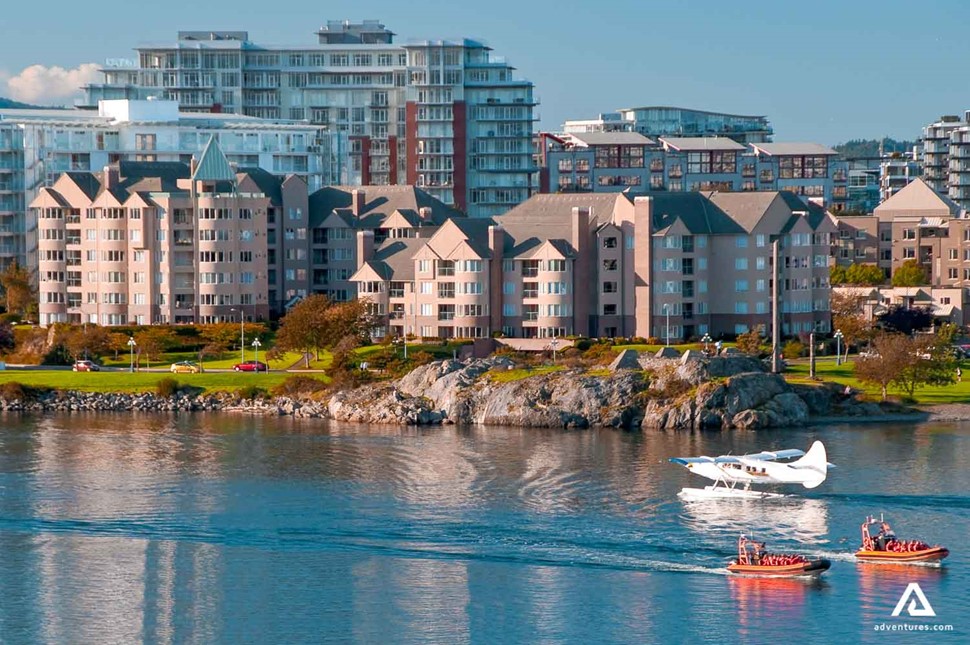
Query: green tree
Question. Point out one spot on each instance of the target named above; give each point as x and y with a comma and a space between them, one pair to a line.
837, 275
19, 295
864, 275
315, 324
153, 342
889, 356
909, 274
848, 316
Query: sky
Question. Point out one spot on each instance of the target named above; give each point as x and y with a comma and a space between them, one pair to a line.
825, 71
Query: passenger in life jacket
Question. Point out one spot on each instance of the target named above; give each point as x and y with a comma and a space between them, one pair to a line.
885, 536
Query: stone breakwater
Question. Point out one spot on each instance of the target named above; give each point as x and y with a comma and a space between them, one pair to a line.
651, 393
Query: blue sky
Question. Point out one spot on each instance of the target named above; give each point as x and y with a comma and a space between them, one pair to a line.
822, 71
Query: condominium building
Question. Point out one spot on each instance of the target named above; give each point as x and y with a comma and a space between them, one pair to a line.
616, 161
946, 157
917, 223
444, 115
153, 242
664, 264
230, 238
661, 121
36, 146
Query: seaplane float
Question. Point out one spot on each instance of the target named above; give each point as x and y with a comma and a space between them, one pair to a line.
734, 475
886, 547
753, 560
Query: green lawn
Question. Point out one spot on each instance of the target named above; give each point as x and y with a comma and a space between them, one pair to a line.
653, 349
844, 374
507, 376
139, 381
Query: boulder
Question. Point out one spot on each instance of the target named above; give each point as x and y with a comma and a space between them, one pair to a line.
628, 359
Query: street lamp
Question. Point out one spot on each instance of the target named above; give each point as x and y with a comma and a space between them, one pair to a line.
242, 333
838, 346
667, 312
707, 342
131, 347
256, 345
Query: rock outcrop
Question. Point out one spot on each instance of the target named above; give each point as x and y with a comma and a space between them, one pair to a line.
692, 392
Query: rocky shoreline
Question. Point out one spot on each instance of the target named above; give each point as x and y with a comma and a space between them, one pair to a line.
636, 392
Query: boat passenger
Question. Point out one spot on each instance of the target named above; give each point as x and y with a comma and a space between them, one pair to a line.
885, 536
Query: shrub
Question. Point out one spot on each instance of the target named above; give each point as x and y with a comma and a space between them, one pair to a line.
297, 385
58, 355
583, 344
793, 349
167, 387
251, 392
13, 391
600, 353
11, 318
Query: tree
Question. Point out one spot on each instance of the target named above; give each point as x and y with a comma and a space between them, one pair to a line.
153, 342
750, 341
7, 340
907, 362
905, 320
837, 275
909, 274
890, 354
868, 275
848, 316
18, 292
315, 323
226, 335
87, 340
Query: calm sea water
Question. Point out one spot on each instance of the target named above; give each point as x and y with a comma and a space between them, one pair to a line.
115, 529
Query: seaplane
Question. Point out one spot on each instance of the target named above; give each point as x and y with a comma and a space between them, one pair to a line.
734, 475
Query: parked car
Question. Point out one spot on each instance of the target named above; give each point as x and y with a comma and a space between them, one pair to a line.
185, 367
86, 366
251, 366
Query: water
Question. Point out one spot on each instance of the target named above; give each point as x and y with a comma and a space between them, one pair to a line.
116, 529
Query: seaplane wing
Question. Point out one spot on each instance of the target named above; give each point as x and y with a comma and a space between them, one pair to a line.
809, 470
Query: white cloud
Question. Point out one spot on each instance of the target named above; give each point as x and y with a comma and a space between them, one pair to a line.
49, 85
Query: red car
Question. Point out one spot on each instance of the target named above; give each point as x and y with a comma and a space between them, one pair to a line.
251, 366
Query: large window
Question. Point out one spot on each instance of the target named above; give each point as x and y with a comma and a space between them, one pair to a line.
803, 167
712, 162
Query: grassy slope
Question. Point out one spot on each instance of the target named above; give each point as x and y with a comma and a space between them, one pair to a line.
139, 381
844, 374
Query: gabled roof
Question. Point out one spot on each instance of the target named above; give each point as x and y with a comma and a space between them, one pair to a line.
559, 206
699, 214
788, 148
213, 165
917, 196
379, 203
86, 182
746, 208
394, 258
701, 143
269, 184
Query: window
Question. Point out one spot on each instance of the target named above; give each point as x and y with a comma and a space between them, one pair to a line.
609, 287
760, 240
741, 241
556, 265
609, 310
424, 266
741, 307
508, 310
740, 285
508, 288
609, 242
741, 264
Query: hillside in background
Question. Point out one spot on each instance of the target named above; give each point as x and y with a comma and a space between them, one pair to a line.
870, 147
9, 103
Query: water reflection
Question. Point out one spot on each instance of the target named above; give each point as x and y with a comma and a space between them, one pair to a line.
218, 528
790, 518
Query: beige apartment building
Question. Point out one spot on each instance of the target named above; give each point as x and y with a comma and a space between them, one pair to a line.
917, 223
677, 265
153, 242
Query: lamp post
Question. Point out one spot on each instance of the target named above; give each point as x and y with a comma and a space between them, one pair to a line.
838, 346
256, 345
707, 343
242, 333
667, 313
131, 348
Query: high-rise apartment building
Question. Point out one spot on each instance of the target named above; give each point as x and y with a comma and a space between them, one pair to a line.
443, 115
946, 157
36, 146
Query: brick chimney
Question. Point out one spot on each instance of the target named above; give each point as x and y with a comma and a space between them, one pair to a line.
496, 248
111, 177
365, 246
582, 269
358, 198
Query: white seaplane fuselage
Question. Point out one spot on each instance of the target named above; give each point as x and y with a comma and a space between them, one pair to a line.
733, 476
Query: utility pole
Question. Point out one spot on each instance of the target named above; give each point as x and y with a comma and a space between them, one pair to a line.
775, 309
811, 355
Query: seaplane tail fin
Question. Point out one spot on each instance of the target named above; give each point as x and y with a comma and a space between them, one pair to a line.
814, 465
